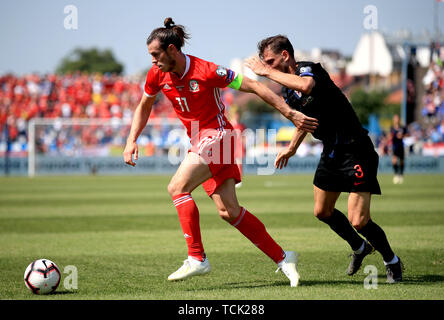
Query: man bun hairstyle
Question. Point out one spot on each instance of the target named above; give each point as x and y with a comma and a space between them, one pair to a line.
169, 34
168, 22
276, 44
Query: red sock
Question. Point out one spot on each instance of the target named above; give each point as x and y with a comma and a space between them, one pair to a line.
252, 228
189, 220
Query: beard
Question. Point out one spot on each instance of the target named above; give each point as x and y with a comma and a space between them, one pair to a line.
169, 64
285, 67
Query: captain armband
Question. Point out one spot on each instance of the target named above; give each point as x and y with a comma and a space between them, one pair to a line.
236, 83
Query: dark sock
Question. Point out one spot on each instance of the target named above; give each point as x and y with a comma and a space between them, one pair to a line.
396, 168
340, 224
401, 169
376, 236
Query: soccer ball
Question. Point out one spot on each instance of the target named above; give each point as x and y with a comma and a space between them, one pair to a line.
42, 276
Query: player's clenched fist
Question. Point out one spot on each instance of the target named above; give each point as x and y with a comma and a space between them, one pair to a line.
130, 150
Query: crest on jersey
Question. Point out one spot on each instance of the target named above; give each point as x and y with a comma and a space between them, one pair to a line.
305, 69
298, 94
194, 86
221, 71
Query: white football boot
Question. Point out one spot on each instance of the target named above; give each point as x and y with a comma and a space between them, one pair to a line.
289, 267
191, 267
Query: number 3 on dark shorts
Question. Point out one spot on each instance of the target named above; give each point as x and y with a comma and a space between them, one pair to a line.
359, 174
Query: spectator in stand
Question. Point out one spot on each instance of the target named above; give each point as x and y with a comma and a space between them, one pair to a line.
440, 107
383, 144
440, 130
429, 109
433, 104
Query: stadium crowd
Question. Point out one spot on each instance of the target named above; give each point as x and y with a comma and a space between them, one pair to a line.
114, 97
76, 95
433, 102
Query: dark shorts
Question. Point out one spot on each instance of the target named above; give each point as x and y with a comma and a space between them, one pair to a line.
349, 168
398, 151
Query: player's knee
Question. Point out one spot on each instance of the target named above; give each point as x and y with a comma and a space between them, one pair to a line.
172, 189
359, 222
228, 214
322, 212
224, 214
176, 187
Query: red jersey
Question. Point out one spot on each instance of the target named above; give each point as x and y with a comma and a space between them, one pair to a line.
196, 95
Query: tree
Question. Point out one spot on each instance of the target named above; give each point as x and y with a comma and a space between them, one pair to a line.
91, 61
366, 103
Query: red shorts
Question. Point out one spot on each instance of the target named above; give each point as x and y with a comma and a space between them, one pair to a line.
217, 148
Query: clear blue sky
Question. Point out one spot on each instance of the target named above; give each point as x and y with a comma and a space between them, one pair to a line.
33, 37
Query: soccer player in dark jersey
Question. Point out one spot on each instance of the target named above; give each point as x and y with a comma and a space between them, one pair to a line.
348, 162
397, 134
192, 85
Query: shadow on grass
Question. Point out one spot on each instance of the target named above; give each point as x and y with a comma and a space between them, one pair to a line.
429, 278
283, 283
424, 278
414, 279
56, 293
240, 285
309, 283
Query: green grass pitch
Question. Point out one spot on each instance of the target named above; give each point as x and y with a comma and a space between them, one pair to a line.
123, 236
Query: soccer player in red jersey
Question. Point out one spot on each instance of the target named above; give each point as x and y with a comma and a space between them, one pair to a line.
192, 85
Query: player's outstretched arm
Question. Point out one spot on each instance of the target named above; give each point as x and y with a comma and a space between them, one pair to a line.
300, 120
283, 156
140, 119
291, 81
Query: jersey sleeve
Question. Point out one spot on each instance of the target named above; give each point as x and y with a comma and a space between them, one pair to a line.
152, 83
306, 69
310, 69
221, 77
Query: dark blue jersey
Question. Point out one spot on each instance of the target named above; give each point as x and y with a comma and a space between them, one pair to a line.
338, 123
397, 137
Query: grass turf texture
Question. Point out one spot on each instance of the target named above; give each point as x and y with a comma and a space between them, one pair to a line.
124, 237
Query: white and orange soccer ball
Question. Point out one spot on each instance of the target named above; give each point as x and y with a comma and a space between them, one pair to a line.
42, 276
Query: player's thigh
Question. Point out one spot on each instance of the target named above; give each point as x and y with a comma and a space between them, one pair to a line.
324, 202
191, 173
359, 208
401, 158
226, 201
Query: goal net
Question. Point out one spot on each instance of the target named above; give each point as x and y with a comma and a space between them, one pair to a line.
95, 146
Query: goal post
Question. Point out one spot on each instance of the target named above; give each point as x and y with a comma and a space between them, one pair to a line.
96, 141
